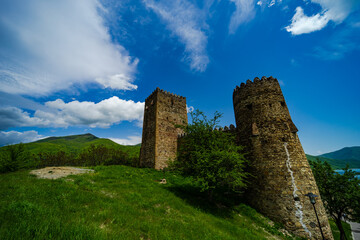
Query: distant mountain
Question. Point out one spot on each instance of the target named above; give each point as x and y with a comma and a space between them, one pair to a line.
75, 144
347, 153
79, 138
339, 159
335, 163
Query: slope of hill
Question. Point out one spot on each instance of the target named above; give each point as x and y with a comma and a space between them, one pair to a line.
75, 144
336, 163
119, 202
347, 153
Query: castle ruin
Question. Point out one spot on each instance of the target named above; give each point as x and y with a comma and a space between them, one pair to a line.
163, 112
276, 159
282, 175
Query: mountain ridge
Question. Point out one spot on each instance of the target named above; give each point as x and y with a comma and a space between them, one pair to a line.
75, 144
340, 158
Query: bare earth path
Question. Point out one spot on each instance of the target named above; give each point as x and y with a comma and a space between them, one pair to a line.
58, 172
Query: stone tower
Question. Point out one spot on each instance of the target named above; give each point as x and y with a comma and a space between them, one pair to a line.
163, 111
282, 175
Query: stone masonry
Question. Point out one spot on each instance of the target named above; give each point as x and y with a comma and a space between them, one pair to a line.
163, 111
282, 175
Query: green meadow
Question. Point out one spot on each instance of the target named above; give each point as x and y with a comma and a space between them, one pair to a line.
121, 202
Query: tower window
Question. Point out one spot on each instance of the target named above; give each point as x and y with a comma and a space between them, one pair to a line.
249, 106
282, 103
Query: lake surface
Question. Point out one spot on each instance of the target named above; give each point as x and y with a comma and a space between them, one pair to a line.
357, 170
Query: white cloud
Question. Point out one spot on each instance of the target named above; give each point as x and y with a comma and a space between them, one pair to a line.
12, 137
131, 140
60, 114
118, 81
332, 10
15, 117
188, 23
189, 109
47, 46
300, 23
272, 3
245, 12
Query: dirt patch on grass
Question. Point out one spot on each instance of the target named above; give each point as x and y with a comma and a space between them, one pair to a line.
58, 172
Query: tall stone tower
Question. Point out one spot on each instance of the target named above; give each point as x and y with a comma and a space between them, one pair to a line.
163, 111
282, 175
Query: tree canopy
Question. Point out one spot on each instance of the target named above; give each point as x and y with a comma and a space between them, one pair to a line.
340, 193
211, 157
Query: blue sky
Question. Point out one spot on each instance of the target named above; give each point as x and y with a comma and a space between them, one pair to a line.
73, 67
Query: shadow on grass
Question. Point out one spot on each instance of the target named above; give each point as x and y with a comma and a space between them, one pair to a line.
222, 203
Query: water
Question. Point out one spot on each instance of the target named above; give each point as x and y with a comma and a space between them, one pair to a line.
298, 206
357, 170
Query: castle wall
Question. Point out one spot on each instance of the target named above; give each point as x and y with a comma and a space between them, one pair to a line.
147, 151
163, 111
282, 175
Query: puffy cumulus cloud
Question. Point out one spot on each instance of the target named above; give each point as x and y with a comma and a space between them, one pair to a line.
188, 23
12, 137
245, 12
131, 140
332, 10
47, 46
15, 117
75, 113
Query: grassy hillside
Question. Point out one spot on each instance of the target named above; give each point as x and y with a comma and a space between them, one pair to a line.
119, 202
75, 144
336, 163
348, 153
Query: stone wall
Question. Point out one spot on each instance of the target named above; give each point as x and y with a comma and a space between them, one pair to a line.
147, 151
282, 175
163, 111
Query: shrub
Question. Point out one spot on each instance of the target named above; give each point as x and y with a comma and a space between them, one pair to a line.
209, 156
12, 158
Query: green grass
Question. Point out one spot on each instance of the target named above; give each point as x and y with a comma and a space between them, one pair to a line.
336, 232
119, 202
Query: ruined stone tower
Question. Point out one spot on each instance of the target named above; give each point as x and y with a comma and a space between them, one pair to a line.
163, 111
282, 175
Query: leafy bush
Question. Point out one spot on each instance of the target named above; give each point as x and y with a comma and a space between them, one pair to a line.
209, 156
101, 155
12, 158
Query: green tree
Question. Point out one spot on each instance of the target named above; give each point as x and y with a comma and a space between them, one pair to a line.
340, 193
211, 157
12, 158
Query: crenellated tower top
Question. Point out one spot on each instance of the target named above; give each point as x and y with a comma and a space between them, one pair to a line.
158, 90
